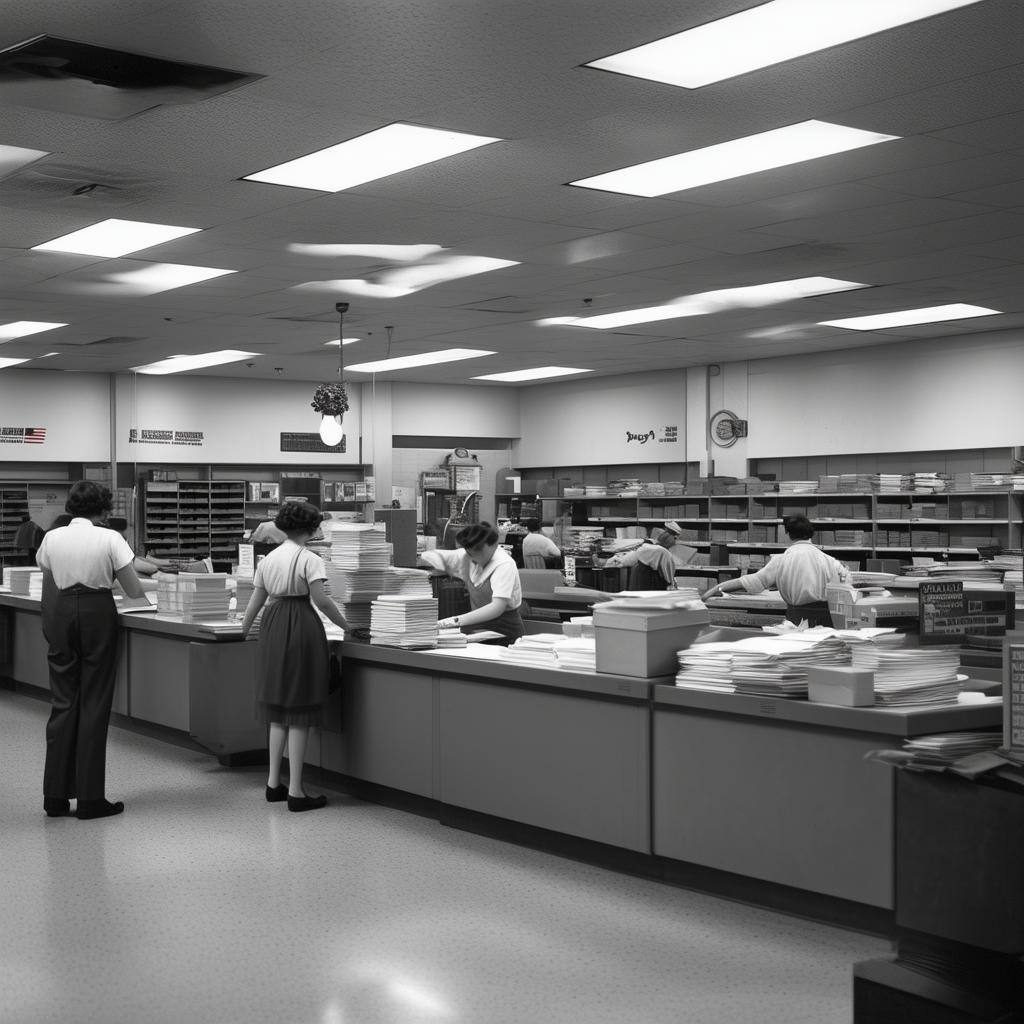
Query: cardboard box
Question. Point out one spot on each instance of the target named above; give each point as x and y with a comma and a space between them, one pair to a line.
841, 684
644, 643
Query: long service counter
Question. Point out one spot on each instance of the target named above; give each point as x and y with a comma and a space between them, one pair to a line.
767, 799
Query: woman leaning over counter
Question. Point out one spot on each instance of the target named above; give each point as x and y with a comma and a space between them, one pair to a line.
491, 578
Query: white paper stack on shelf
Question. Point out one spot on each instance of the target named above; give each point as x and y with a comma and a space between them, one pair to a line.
402, 620
889, 483
194, 596
1013, 574
985, 572
951, 746
576, 654
24, 580
906, 676
778, 668
798, 486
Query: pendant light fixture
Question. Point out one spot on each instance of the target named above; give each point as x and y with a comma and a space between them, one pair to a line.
331, 400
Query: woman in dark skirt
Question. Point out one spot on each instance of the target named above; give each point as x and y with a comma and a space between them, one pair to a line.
292, 657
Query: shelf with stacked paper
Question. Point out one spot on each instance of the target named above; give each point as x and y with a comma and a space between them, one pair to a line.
189, 520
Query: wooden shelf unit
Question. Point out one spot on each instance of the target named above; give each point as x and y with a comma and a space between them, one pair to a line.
187, 520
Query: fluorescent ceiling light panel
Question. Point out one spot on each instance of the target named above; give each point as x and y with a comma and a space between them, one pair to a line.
386, 151
13, 158
779, 147
178, 364
23, 328
348, 341
538, 373
112, 238
909, 317
448, 355
724, 299
151, 278
396, 253
4, 362
765, 35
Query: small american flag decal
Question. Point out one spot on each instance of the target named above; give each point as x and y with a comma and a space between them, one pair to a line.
35, 435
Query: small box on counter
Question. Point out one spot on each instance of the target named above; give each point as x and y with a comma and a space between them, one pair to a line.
841, 684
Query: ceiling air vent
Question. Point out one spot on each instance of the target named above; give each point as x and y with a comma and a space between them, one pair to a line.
48, 73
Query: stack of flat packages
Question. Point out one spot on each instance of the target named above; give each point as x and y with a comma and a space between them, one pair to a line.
908, 676
402, 620
243, 593
357, 564
779, 668
537, 649
194, 596
24, 580
576, 654
451, 638
354, 590
947, 747
707, 667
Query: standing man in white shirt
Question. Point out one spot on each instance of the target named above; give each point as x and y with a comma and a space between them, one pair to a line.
801, 574
80, 562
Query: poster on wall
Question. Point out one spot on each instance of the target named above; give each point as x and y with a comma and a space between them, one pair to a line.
182, 438
22, 435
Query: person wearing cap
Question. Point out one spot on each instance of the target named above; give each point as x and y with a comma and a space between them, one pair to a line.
80, 562
491, 578
801, 575
651, 565
537, 547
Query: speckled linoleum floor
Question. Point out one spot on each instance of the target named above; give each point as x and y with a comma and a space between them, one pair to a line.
203, 903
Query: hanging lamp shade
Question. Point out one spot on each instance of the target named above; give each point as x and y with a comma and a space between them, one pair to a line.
331, 400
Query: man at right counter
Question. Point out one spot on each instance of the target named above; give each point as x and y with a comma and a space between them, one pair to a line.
801, 574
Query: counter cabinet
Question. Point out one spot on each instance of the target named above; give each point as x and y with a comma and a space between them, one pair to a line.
766, 800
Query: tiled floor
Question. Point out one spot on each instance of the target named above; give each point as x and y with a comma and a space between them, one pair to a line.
203, 903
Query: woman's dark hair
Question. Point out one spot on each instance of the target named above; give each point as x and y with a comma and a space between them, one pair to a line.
798, 527
298, 517
117, 523
476, 534
533, 525
87, 499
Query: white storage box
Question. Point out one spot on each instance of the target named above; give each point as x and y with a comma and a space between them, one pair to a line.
644, 643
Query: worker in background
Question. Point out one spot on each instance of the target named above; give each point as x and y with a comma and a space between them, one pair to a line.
537, 547
651, 565
491, 578
801, 574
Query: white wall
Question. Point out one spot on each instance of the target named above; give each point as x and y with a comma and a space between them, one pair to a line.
73, 408
608, 421
924, 395
240, 421
457, 410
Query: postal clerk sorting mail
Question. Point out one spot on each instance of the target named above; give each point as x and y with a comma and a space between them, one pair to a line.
491, 578
801, 574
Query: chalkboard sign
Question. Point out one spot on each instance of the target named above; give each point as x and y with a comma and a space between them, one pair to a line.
947, 612
1013, 697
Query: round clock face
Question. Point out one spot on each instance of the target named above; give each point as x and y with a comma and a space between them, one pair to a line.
461, 453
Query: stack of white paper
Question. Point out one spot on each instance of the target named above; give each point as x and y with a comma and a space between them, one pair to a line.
536, 649
402, 620
910, 675
707, 667
24, 580
358, 545
450, 638
576, 654
193, 596
954, 745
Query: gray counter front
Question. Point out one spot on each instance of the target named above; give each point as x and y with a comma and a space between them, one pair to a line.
779, 789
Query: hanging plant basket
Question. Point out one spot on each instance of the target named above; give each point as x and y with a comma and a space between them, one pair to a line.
330, 399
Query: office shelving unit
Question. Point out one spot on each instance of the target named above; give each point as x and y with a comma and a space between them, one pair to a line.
13, 509
186, 520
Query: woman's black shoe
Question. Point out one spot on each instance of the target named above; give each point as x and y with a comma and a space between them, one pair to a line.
306, 803
98, 809
277, 794
56, 806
